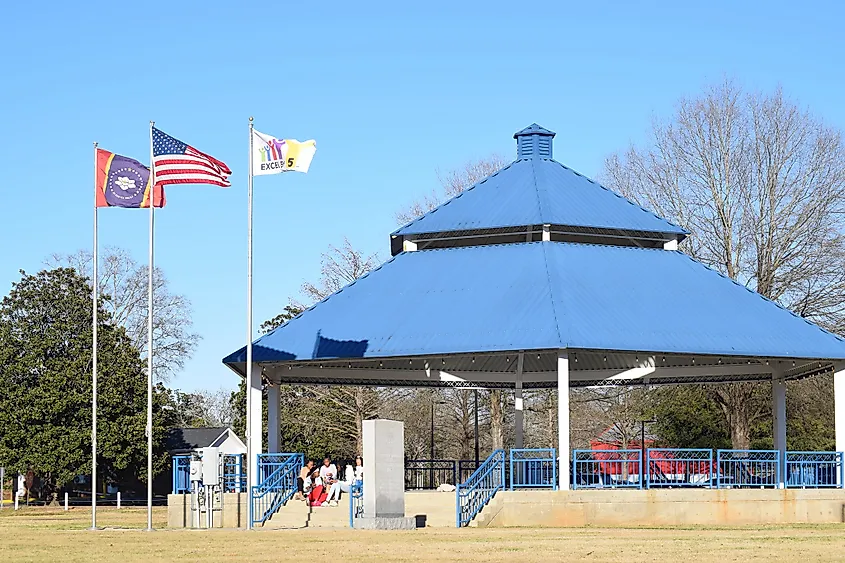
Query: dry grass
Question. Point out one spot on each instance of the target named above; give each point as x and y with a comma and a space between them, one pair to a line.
53, 535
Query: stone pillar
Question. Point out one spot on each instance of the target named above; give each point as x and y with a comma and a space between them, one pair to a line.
563, 419
384, 469
779, 419
274, 423
518, 415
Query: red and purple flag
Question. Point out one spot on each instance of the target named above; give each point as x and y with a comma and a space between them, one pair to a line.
179, 163
124, 182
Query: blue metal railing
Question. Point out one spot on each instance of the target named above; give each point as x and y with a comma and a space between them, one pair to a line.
814, 470
479, 489
606, 469
181, 474
233, 478
356, 502
277, 474
234, 473
748, 468
533, 468
679, 467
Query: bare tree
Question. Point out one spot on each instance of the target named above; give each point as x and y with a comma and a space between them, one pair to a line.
339, 267
452, 183
123, 285
760, 183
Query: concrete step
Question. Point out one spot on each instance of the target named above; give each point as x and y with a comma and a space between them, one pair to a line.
483, 518
438, 509
297, 514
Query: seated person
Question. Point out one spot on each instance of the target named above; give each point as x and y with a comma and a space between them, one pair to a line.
359, 469
328, 471
318, 492
304, 474
339, 486
352, 476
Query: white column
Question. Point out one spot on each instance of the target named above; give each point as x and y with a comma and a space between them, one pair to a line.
253, 423
518, 417
839, 409
563, 419
274, 438
779, 418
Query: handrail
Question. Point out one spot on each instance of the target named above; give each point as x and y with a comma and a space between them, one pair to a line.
607, 469
679, 467
277, 486
748, 468
814, 470
474, 494
233, 476
706, 468
356, 502
533, 468
181, 474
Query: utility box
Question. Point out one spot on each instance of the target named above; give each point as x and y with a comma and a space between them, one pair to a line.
196, 470
210, 466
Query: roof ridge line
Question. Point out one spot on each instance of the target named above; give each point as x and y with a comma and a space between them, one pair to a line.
551, 292
455, 197
537, 190
620, 196
763, 297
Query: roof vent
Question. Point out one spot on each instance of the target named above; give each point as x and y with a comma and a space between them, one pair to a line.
534, 142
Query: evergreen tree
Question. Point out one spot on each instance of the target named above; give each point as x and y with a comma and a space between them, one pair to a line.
45, 372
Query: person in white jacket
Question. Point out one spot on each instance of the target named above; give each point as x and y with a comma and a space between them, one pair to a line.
350, 477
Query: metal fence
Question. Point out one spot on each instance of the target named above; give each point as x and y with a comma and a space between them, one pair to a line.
356, 502
276, 484
814, 470
533, 469
181, 474
606, 469
467, 467
748, 468
234, 473
479, 489
679, 467
430, 473
233, 476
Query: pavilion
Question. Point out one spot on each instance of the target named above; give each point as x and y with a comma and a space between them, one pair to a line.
538, 277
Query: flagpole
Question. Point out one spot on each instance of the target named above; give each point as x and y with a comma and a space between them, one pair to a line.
252, 471
95, 300
150, 340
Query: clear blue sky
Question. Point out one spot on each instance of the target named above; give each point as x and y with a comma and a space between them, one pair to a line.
390, 93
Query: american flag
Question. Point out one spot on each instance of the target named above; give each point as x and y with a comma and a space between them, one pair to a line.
178, 163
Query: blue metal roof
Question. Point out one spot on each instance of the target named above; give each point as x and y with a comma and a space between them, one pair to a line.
540, 296
538, 191
534, 129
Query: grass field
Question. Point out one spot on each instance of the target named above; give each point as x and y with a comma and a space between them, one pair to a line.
32, 535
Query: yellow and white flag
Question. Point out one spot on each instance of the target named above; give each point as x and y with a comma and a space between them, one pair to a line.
271, 155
